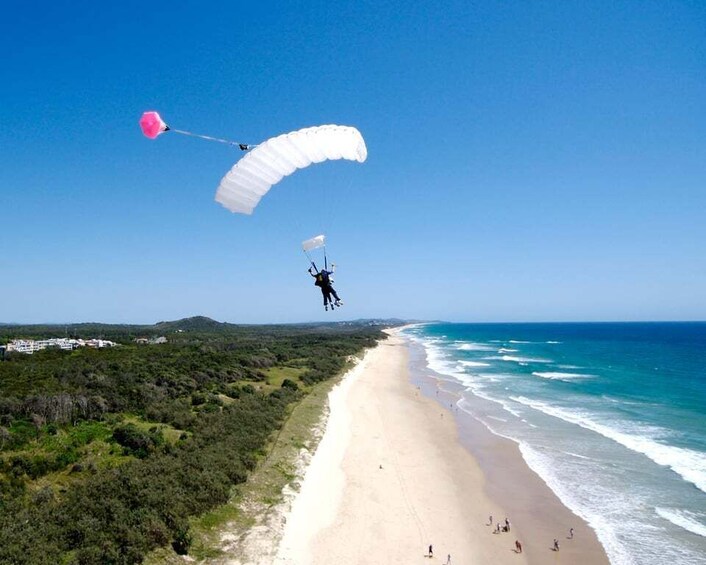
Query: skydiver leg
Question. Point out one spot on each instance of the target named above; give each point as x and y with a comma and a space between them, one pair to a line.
338, 302
331, 289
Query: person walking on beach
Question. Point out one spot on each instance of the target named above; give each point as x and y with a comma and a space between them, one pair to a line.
518, 546
431, 551
448, 559
507, 525
571, 533
556, 544
490, 519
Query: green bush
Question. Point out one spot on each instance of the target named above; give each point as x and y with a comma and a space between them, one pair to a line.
136, 441
286, 383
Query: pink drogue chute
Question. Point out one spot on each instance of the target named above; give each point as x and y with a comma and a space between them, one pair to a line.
152, 124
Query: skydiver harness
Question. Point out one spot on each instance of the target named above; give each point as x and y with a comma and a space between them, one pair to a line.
322, 279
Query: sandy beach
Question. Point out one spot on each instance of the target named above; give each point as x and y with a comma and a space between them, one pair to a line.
391, 477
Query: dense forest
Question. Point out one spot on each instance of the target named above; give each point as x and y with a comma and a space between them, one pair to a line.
106, 453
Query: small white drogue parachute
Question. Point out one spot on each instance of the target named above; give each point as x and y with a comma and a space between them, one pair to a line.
310, 245
314, 243
268, 163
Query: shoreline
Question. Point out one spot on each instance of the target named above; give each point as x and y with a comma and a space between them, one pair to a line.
539, 513
395, 472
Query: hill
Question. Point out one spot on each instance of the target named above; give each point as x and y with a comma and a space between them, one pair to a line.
193, 324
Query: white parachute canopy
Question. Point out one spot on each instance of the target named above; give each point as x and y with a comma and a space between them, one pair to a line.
251, 177
314, 243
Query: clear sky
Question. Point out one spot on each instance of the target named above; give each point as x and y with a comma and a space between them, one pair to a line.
528, 161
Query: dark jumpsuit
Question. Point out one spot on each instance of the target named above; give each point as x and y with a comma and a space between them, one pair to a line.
323, 280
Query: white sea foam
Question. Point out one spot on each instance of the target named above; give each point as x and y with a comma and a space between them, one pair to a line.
480, 393
473, 364
443, 363
465, 346
689, 464
620, 401
690, 521
506, 350
519, 341
438, 362
491, 377
561, 376
554, 342
577, 455
516, 359
508, 406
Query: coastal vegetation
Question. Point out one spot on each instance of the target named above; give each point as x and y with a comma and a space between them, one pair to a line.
108, 454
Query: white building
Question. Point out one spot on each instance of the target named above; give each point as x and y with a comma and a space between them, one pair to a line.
30, 345
23, 346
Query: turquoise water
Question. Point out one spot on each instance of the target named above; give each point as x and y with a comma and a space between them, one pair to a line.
611, 416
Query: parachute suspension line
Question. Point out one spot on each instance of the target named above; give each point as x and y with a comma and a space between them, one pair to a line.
241, 146
325, 260
332, 200
311, 261
325, 215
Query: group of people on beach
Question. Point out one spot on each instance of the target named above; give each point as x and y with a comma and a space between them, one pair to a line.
556, 541
505, 527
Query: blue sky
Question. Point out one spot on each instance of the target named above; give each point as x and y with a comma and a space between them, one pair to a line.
528, 161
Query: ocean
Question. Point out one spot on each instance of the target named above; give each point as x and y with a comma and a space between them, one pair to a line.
612, 416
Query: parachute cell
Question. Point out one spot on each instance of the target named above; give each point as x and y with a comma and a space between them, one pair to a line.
253, 176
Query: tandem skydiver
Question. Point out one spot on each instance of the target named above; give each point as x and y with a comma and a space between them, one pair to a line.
325, 282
